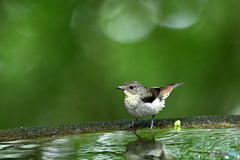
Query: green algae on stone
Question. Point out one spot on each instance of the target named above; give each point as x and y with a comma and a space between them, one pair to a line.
224, 121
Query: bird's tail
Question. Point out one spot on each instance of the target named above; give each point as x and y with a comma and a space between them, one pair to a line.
166, 90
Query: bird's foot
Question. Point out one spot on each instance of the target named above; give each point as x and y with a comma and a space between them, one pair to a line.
151, 126
132, 125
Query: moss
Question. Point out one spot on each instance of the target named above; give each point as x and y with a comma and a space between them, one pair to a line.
202, 122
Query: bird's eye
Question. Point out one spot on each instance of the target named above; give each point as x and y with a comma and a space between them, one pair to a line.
131, 87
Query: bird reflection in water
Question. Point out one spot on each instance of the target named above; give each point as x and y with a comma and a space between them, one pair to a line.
146, 149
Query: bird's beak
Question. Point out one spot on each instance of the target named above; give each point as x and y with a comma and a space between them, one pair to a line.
120, 87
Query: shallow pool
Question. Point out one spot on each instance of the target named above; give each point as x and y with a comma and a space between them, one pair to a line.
186, 143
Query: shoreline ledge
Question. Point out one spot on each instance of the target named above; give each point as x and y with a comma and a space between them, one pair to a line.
217, 121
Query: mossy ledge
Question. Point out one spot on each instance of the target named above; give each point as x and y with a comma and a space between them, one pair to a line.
223, 121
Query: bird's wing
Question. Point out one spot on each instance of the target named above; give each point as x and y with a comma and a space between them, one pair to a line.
150, 95
166, 90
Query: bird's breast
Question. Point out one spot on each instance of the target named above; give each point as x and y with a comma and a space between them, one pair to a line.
132, 101
138, 108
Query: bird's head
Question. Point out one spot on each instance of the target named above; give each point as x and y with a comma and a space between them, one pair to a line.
131, 88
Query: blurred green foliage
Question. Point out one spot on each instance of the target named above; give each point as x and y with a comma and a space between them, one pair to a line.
60, 61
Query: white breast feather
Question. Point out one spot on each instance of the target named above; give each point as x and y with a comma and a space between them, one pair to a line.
136, 107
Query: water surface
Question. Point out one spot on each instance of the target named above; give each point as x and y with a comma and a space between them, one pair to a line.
188, 143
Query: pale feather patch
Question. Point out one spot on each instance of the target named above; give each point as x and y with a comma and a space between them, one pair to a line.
166, 94
148, 109
136, 107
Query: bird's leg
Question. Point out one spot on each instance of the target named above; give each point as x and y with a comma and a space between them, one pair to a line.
132, 125
152, 122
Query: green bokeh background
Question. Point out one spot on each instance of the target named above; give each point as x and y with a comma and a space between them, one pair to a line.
61, 60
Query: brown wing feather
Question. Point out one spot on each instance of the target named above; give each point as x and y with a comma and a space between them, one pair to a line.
162, 92
150, 95
166, 90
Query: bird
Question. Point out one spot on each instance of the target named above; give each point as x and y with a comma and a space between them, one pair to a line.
144, 101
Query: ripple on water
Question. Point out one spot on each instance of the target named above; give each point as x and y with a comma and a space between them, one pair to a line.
188, 143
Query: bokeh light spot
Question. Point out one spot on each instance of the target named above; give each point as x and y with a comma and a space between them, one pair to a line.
128, 21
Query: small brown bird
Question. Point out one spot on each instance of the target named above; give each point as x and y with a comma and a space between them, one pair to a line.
143, 101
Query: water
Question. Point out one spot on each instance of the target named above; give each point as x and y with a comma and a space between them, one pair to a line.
188, 143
